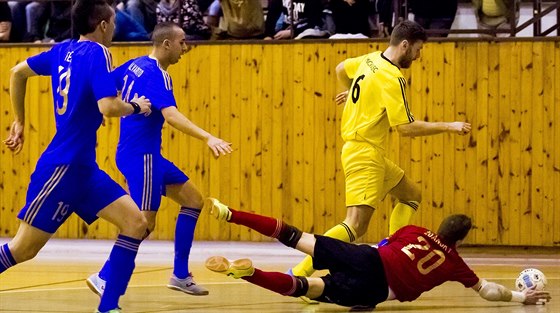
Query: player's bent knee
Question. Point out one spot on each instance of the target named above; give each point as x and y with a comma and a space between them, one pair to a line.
136, 227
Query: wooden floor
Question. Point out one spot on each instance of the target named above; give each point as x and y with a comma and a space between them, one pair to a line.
54, 282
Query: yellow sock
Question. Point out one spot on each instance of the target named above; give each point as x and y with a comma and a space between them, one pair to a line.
401, 215
341, 231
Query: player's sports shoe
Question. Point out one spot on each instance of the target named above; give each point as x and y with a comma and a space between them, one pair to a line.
187, 285
219, 210
236, 269
96, 284
110, 311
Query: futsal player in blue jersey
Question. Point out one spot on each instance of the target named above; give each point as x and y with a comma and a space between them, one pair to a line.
148, 174
67, 179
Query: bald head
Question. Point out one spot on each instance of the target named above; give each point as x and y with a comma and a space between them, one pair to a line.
166, 30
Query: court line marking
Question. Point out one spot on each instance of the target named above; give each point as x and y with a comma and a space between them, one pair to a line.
21, 290
26, 289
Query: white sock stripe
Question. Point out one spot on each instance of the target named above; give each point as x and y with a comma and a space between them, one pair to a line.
278, 228
44, 193
4, 253
191, 214
127, 244
4, 259
127, 247
294, 286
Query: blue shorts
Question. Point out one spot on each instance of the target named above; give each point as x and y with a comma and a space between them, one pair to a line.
56, 191
146, 176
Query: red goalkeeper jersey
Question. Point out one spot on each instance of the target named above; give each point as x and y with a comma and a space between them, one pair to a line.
417, 260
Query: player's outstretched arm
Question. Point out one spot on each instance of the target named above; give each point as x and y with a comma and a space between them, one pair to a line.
422, 128
183, 124
18, 83
115, 107
496, 292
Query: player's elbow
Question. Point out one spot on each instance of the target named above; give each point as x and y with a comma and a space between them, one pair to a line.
108, 108
493, 292
405, 130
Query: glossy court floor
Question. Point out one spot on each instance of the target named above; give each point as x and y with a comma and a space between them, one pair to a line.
54, 281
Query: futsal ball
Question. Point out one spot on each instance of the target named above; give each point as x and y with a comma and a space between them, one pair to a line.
530, 277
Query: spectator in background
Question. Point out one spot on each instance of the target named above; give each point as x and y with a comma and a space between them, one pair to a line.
497, 14
350, 18
5, 21
186, 14
385, 10
144, 12
434, 15
59, 23
306, 19
48, 21
126, 27
242, 19
18, 20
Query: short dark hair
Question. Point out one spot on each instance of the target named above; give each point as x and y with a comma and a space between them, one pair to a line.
407, 30
162, 31
87, 14
454, 228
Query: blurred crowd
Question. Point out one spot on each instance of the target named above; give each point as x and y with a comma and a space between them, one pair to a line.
49, 20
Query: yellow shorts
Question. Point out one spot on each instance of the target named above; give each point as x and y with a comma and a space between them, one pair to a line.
369, 175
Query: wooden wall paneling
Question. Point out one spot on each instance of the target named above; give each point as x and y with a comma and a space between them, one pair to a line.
278, 134
246, 137
550, 74
460, 172
481, 139
256, 124
537, 154
517, 203
263, 55
526, 137
288, 132
468, 113
332, 137
416, 88
449, 140
224, 104
556, 163
340, 54
298, 179
320, 100
506, 89
426, 113
237, 83
311, 136
438, 141
492, 140
504, 139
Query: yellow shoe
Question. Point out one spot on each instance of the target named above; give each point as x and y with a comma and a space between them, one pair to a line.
236, 269
219, 210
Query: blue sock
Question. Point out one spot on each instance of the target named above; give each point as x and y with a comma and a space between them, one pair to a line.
122, 265
105, 270
184, 235
6, 258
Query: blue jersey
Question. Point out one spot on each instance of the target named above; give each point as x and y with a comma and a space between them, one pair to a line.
81, 75
143, 76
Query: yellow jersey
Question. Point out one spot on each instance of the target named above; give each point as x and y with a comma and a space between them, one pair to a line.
376, 100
